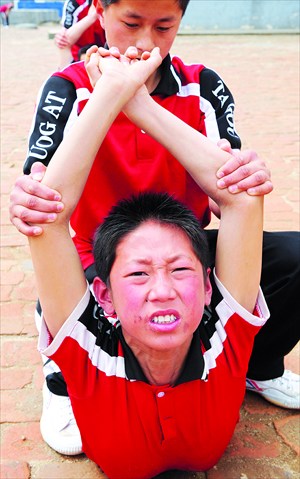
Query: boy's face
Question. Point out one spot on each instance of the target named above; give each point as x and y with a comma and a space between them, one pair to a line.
157, 288
141, 23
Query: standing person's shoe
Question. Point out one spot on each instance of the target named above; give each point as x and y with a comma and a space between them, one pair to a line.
283, 391
58, 425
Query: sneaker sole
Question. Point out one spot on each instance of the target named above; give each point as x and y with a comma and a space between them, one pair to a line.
274, 401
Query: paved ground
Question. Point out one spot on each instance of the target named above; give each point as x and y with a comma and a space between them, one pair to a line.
263, 72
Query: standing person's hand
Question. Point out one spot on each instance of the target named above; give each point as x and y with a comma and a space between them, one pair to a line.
245, 171
33, 203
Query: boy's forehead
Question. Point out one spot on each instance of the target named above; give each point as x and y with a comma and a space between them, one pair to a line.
124, 2
150, 233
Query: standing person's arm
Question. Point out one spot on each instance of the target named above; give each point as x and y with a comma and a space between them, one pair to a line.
246, 171
33, 203
56, 100
218, 104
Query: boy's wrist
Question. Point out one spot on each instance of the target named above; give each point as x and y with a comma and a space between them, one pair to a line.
115, 88
137, 107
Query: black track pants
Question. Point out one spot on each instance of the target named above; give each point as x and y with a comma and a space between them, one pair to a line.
281, 286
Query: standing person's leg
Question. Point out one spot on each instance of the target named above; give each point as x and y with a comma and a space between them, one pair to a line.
280, 284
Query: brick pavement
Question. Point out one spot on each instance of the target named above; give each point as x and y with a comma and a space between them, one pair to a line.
263, 73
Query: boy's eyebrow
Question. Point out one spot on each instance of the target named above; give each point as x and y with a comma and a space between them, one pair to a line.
134, 15
147, 260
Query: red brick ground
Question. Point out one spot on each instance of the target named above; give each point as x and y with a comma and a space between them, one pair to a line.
263, 73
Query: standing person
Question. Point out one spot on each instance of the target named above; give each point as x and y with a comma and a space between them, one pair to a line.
5, 11
146, 373
131, 161
80, 27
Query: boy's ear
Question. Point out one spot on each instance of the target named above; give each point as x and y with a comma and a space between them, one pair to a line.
207, 288
103, 295
100, 10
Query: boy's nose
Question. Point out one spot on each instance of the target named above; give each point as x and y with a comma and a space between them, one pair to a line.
145, 41
161, 289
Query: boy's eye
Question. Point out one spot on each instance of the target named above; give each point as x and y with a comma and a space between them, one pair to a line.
131, 25
183, 268
163, 29
138, 273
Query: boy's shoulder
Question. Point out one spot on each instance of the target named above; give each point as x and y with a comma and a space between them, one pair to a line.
194, 72
75, 73
188, 71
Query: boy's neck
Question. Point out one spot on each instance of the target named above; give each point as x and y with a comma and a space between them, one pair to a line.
161, 368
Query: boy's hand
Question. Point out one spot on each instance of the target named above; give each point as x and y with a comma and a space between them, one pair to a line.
61, 39
91, 63
244, 172
33, 203
133, 71
100, 61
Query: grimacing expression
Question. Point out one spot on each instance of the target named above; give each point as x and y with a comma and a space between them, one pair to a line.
157, 288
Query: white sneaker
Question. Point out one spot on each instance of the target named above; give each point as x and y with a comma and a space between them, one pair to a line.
58, 425
283, 391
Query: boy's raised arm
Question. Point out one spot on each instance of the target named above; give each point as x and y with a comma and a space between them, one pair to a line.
239, 248
53, 253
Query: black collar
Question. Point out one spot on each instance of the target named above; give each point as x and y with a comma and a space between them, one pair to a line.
193, 367
168, 85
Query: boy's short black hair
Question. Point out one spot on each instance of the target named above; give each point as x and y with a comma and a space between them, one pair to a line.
182, 4
131, 213
84, 49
